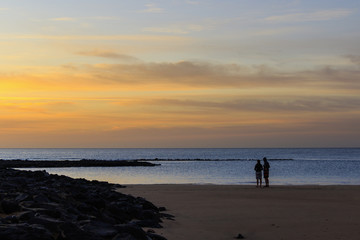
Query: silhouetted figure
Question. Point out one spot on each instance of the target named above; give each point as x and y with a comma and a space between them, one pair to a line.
266, 172
258, 169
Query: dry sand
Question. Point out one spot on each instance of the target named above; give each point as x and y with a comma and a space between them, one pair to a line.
217, 212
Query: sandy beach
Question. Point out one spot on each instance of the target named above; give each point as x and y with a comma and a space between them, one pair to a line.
219, 212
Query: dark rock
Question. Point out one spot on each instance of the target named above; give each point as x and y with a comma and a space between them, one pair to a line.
41, 198
154, 236
101, 229
167, 216
147, 223
22, 197
130, 229
240, 236
9, 206
67, 163
25, 216
162, 209
146, 204
49, 223
37, 205
125, 236
70, 231
24, 231
10, 219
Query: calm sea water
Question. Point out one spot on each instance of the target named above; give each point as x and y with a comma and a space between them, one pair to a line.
320, 166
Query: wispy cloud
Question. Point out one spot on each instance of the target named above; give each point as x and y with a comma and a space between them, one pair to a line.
261, 104
193, 2
165, 30
276, 31
72, 19
208, 75
322, 15
152, 8
105, 18
63, 19
107, 54
139, 75
354, 58
141, 38
176, 29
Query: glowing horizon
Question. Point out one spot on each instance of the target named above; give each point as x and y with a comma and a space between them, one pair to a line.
179, 74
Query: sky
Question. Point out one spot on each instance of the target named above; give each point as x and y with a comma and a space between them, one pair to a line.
196, 73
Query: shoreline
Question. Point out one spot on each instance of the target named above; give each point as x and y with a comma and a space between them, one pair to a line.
42, 206
216, 212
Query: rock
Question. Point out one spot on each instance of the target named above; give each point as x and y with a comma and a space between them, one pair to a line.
9, 206
37, 205
22, 197
147, 223
25, 216
240, 236
70, 231
154, 236
24, 232
41, 198
49, 223
130, 229
10, 219
101, 229
162, 209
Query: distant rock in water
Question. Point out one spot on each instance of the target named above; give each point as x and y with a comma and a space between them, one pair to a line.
42, 206
67, 163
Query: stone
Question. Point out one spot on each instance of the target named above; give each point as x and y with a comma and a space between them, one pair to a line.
24, 232
38, 205
154, 236
240, 236
130, 229
9, 206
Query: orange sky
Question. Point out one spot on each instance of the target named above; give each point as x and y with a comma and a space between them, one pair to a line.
147, 76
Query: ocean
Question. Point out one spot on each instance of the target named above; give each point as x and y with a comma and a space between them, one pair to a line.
289, 166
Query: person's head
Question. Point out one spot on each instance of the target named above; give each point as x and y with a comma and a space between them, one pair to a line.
264, 159
258, 161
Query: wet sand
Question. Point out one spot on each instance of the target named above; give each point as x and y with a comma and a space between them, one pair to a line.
216, 212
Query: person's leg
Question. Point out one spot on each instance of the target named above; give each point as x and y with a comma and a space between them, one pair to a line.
260, 182
267, 182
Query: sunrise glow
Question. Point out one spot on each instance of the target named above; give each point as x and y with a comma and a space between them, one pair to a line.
179, 73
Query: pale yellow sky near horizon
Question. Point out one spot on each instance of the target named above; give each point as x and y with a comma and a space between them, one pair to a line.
179, 74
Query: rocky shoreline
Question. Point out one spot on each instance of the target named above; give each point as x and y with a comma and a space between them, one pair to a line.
67, 163
42, 206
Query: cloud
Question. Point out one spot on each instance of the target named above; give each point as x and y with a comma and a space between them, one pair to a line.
107, 54
165, 30
176, 29
193, 2
354, 59
151, 8
276, 31
262, 104
183, 103
323, 15
105, 18
194, 75
63, 19
138, 38
209, 76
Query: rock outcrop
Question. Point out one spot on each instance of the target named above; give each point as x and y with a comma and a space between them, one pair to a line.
38, 205
67, 163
